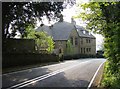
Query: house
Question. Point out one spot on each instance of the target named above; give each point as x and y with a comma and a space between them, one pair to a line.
81, 41
87, 41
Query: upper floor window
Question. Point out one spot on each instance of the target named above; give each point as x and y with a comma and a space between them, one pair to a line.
86, 40
84, 32
89, 33
89, 40
81, 50
76, 41
71, 39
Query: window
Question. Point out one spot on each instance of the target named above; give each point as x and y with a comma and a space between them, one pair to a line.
89, 49
81, 50
71, 39
89, 40
76, 41
86, 40
89, 33
84, 32
60, 50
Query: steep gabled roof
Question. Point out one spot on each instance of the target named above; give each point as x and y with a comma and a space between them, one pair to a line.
62, 30
59, 31
45, 29
81, 31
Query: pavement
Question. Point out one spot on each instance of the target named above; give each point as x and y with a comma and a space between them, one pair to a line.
72, 73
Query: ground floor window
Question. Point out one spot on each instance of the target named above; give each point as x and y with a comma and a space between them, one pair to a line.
89, 49
81, 50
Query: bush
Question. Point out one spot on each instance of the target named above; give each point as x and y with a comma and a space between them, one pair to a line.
110, 80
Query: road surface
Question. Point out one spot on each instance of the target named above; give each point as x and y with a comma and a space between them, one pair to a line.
72, 73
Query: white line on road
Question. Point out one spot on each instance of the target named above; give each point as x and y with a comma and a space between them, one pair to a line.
93, 78
31, 81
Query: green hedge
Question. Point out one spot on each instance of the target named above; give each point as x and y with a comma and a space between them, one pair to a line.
20, 59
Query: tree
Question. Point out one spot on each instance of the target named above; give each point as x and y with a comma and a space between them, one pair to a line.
42, 40
69, 47
103, 18
20, 14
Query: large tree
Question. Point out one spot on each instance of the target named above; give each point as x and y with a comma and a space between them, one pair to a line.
21, 14
104, 18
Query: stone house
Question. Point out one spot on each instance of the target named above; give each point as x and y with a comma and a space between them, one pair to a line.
87, 41
82, 42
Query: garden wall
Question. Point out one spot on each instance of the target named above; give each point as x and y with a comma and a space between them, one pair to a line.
20, 59
18, 45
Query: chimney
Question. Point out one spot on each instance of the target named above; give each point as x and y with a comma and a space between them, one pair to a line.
73, 21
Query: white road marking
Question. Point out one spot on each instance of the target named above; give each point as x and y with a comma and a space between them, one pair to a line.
95, 75
31, 81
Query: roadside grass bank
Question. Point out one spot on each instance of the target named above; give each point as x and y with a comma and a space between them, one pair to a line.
110, 80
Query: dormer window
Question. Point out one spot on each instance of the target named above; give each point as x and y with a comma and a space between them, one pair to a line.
89, 33
84, 32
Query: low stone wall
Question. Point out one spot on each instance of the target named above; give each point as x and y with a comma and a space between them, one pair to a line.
22, 59
18, 45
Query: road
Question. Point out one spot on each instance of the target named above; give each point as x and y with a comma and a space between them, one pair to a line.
72, 73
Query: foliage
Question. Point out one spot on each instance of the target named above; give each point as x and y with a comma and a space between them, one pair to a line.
69, 47
110, 79
29, 32
20, 14
43, 41
103, 18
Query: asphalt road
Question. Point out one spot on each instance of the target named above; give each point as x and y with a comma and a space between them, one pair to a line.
73, 73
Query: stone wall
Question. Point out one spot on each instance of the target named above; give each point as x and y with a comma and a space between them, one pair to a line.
18, 46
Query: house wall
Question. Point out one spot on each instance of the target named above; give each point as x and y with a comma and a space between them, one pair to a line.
93, 46
62, 44
74, 35
87, 45
18, 45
